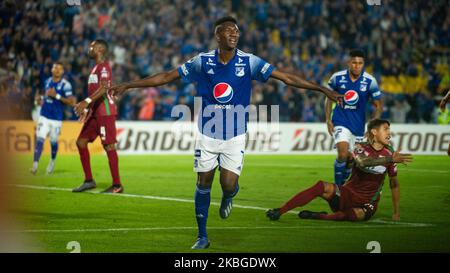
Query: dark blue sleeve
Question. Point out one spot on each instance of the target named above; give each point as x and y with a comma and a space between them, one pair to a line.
374, 90
190, 70
260, 69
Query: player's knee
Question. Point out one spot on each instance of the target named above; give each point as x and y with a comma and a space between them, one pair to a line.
328, 189
204, 183
228, 186
205, 179
81, 143
228, 179
109, 147
343, 155
229, 183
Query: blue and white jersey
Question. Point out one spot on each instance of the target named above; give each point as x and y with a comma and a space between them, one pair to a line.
53, 108
356, 95
225, 90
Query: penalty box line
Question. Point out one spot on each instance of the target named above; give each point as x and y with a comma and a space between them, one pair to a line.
378, 221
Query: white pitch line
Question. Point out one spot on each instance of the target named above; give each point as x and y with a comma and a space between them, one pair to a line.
195, 228
137, 196
380, 221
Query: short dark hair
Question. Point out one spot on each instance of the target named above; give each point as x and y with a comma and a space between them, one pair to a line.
357, 53
376, 123
103, 43
225, 19
59, 63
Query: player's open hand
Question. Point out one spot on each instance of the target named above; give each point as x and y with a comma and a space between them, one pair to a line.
118, 90
51, 92
398, 157
83, 116
81, 109
334, 96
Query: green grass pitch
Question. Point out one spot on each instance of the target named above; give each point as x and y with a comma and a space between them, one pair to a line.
157, 212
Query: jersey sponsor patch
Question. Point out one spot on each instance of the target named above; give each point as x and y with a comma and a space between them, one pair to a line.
351, 97
93, 78
223, 92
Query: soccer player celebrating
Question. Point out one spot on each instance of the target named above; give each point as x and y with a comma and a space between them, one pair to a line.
58, 92
99, 119
442, 106
357, 199
346, 125
223, 78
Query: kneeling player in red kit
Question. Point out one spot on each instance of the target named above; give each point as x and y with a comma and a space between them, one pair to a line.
358, 198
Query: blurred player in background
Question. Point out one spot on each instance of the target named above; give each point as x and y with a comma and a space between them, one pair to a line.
98, 112
443, 108
357, 199
224, 80
58, 92
346, 123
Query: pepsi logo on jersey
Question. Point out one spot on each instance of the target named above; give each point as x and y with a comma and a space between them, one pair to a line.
351, 97
223, 92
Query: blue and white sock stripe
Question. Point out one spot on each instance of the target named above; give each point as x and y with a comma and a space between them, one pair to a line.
203, 190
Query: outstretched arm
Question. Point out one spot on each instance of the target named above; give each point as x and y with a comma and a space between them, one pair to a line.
362, 160
328, 109
296, 81
444, 101
151, 81
395, 189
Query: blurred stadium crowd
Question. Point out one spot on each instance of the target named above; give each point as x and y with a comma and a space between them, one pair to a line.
407, 45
